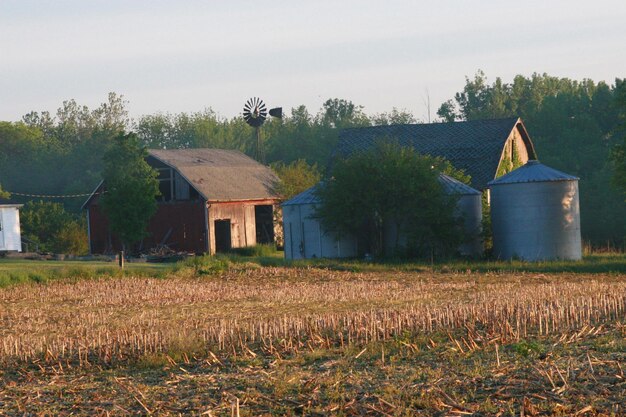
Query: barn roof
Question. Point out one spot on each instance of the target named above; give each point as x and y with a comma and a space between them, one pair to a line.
219, 174
473, 146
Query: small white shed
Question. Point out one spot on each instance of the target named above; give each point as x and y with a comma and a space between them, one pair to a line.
304, 236
10, 236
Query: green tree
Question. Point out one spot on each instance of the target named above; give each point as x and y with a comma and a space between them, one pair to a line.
391, 185
295, 177
52, 228
4, 194
618, 153
131, 187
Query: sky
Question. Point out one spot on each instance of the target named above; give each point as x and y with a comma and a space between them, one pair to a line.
187, 55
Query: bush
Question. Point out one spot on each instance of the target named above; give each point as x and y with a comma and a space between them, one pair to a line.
53, 229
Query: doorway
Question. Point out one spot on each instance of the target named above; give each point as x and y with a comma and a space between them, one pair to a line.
264, 222
222, 236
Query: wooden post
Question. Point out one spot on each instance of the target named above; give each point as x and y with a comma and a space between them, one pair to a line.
121, 259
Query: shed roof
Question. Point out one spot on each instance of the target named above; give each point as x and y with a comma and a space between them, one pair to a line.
221, 175
473, 146
533, 171
308, 196
7, 202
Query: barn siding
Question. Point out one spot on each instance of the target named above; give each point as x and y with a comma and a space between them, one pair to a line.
242, 221
184, 219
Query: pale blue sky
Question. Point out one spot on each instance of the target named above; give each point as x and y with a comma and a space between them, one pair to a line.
175, 56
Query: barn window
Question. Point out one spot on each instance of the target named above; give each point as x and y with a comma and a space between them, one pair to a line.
166, 184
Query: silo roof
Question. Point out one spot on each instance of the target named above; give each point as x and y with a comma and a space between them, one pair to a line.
453, 186
532, 171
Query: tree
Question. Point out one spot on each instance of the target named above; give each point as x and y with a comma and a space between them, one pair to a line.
339, 113
295, 177
394, 117
391, 185
52, 228
618, 153
4, 194
131, 188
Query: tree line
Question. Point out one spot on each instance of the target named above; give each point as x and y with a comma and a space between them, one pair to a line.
574, 125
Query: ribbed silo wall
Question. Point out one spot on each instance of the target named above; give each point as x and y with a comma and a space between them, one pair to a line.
470, 208
536, 220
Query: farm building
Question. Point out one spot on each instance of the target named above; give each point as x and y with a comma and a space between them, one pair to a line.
535, 214
211, 200
484, 149
305, 237
10, 235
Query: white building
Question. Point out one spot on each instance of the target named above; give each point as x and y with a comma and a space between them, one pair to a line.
304, 236
10, 236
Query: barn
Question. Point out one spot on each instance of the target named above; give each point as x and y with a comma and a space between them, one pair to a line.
10, 235
212, 200
484, 149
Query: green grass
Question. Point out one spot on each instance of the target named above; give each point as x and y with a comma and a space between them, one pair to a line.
594, 263
20, 271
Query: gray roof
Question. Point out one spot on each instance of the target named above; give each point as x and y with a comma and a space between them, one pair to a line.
453, 186
474, 146
533, 171
306, 197
9, 202
449, 184
221, 175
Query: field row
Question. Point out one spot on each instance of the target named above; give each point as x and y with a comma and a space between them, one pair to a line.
280, 311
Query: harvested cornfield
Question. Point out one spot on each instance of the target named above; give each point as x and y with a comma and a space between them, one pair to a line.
110, 320
296, 341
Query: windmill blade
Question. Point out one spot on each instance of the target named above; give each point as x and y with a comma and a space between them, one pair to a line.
254, 112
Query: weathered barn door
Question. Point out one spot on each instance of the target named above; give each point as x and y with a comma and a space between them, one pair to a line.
223, 242
264, 220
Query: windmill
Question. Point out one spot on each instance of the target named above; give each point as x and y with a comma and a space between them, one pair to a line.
255, 113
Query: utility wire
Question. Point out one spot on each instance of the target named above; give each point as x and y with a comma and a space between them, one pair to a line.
54, 196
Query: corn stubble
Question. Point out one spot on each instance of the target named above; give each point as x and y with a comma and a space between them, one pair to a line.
280, 310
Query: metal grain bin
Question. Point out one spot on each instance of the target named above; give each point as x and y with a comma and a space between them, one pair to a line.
305, 237
535, 214
469, 207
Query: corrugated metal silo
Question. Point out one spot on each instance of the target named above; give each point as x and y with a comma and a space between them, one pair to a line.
305, 237
535, 214
469, 207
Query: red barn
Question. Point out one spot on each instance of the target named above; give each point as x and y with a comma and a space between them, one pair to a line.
211, 200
